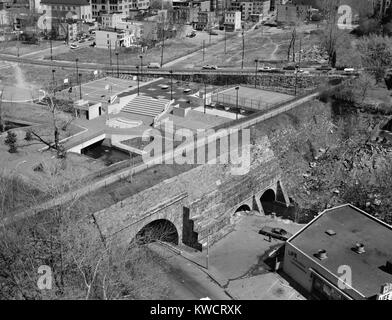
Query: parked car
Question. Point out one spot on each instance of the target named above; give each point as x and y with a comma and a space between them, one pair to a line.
276, 233
210, 67
265, 68
213, 33
349, 70
82, 40
93, 44
73, 46
324, 68
289, 68
153, 65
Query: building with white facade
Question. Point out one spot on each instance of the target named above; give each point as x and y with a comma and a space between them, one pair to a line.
232, 20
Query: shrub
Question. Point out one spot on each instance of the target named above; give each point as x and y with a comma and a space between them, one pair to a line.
11, 140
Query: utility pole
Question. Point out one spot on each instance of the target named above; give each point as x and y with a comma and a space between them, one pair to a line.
171, 84
300, 52
141, 64
225, 38
205, 96
203, 50
110, 52
207, 256
137, 68
77, 70
236, 102
163, 40
118, 70
256, 61
243, 49
51, 50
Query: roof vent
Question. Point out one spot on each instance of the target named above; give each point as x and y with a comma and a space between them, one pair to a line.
322, 254
359, 248
330, 232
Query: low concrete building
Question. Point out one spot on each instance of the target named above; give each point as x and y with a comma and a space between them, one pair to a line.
87, 110
343, 254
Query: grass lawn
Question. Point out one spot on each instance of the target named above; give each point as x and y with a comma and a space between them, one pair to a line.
263, 44
174, 48
11, 47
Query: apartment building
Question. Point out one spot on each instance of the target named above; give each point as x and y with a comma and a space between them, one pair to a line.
80, 9
100, 7
290, 13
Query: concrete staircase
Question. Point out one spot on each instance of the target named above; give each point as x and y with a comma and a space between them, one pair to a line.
146, 106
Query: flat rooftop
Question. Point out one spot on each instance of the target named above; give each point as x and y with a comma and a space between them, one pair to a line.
351, 226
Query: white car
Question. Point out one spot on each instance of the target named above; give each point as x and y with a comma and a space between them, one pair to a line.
349, 70
73, 46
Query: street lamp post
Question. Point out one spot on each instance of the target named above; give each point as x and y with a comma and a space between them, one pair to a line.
137, 68
296, 80
256, 61
80, 86
171, 84
236, 102
118, 71
54, 83
141, 64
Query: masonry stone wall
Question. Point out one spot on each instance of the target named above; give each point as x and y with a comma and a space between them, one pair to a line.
209, 194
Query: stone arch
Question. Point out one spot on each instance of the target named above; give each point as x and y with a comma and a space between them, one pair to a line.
243, 207
267, 200
159, 229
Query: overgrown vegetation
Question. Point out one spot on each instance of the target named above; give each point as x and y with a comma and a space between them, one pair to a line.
65, 238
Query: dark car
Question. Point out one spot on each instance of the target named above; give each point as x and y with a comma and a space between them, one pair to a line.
289, 68
210, 67
324, 68
276, 233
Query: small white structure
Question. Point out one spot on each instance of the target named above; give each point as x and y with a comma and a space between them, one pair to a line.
87, 110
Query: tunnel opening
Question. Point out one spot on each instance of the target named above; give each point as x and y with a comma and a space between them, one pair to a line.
158, 230
267, 201
244, 208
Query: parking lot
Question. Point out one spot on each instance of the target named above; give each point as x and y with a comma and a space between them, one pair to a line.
238, 260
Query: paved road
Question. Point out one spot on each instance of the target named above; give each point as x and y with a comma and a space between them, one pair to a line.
187, 280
